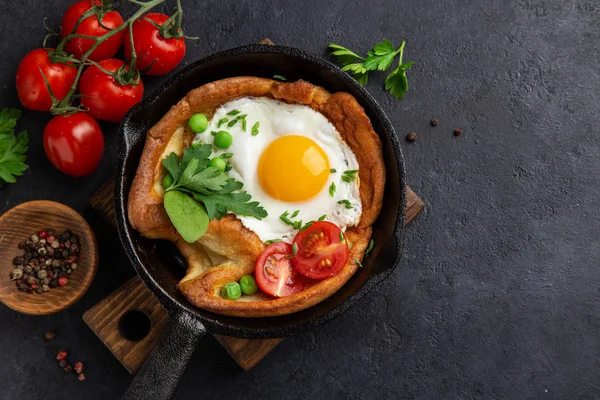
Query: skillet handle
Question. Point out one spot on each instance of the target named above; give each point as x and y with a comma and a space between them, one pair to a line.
158, 377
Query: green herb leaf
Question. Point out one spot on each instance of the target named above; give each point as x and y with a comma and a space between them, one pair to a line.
233, 112
333, 170
322, 217
219, 192
13, 148
171, 163
343, 55
381, 56
236, 119
222, 121
273, 241
255, 128
226, 155
346, 203
307, 225
295, 213
187, 215
349, 175
280, 77
332, 189
244, 125
370, 247
358, 263
341, 236
397, 83
239, 203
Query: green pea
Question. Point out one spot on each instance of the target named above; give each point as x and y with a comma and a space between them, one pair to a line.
223, 139
248, 284
167, 180
218, 163
231, 291
198, 123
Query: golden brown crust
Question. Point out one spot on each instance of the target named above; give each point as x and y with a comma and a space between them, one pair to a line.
229, 250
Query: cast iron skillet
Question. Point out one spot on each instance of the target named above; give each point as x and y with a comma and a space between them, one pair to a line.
161, 266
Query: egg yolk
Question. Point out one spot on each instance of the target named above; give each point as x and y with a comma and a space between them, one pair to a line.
293, 168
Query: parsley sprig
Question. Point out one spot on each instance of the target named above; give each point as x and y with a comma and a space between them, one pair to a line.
379, 58
217, 192
13, 147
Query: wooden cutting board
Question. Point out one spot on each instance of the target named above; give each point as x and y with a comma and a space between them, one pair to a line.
130, 320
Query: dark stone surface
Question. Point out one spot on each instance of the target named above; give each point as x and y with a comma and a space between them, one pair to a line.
498, 295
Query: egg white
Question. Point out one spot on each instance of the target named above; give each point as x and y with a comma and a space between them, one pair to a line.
279, 119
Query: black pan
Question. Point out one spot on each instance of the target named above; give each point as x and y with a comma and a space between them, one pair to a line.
160, 265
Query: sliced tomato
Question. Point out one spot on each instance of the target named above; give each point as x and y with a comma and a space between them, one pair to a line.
322, 251
275, 272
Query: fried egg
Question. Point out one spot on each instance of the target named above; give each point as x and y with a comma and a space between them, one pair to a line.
291, 160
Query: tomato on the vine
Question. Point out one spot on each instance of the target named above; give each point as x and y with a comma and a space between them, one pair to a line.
31, 87
156, 55
103, 96
74, 143
275, 272
322, 250
91, 26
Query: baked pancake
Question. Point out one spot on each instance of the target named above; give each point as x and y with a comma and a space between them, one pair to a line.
228, 250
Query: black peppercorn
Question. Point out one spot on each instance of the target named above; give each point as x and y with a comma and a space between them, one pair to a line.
411, 137
53, 283
434, 122
62, 363
49, 335
68, 369
18, 260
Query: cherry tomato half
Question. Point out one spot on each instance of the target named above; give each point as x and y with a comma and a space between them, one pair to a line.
275, 273
103, 96
152, 50
321, 254
91, 27
74, 143
31, 87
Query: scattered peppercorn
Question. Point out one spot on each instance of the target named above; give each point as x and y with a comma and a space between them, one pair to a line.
411, 137
78, 367
68, 369
434, 122
46, 259
49, 335
457, 132
62, 363
61, 355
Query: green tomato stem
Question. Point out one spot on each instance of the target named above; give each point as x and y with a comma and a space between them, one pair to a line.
98, 40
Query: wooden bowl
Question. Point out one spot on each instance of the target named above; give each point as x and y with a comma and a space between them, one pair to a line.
18, 224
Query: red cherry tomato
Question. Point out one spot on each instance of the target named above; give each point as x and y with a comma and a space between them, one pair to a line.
321, 254
74, 143
103, 96
31, 87
91, 27
275, 273
152, 50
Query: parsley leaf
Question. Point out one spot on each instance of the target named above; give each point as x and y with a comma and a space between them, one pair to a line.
351, 62
12, 147
379, 58
343, 55
217, 192
397, 83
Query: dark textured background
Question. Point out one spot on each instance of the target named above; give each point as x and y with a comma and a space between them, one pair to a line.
498, 293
